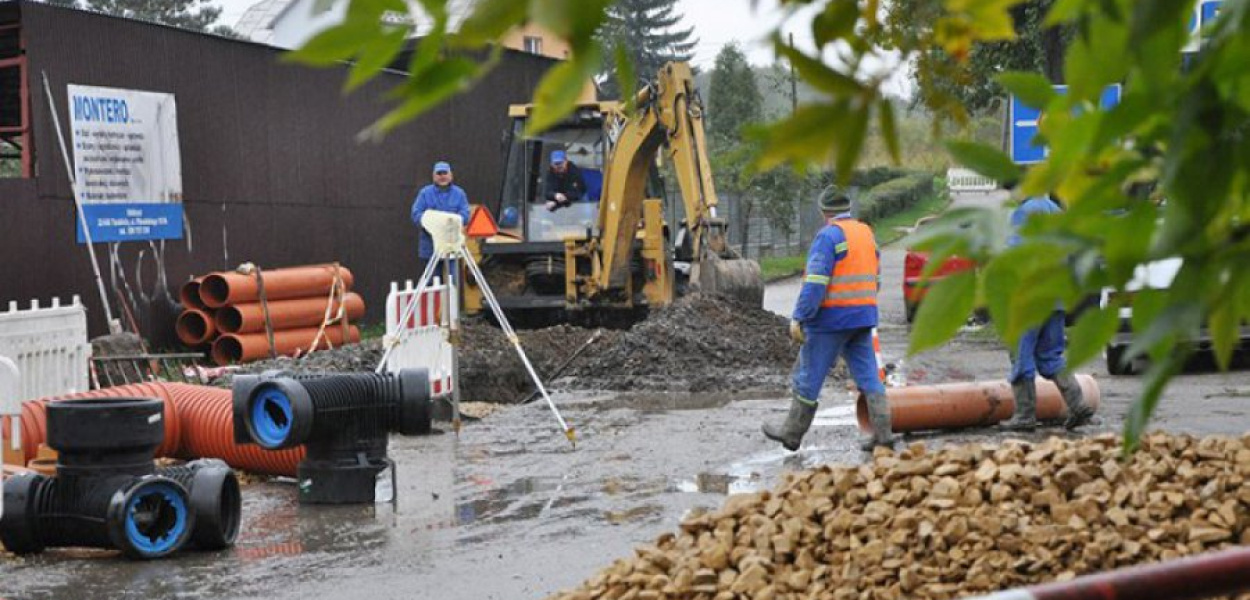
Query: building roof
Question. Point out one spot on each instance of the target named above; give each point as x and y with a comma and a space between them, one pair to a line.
256, 24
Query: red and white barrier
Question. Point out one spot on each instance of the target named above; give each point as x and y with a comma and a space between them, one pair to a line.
421, 342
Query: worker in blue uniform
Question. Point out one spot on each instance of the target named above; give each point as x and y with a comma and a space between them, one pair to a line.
441, 195
834, 316
1041, 350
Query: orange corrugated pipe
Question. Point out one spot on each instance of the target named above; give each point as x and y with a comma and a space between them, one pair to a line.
198, 424
189, 294
196, 327
233, 348
229, 287
972, 404
285, 314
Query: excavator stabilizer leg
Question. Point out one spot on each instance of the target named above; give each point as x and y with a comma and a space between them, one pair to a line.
735, 278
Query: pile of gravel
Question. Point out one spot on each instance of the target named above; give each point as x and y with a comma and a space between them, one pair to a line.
963, 521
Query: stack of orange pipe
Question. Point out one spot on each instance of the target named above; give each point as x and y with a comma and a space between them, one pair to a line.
199, 423
224, 309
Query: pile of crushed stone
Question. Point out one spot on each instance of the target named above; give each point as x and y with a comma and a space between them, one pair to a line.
699, 344
963, 521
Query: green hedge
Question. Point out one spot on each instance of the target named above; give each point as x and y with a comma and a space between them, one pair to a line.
893, 196
875, 176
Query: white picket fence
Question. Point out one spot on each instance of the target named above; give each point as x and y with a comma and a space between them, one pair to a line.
959, 179
49, 345
422, 345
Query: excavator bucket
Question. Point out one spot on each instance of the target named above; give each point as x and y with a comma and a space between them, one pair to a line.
735, 278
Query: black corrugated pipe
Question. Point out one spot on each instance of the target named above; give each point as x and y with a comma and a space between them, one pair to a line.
108, 494
341, 419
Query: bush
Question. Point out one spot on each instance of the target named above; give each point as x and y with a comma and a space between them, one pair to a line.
893, 196
875, 176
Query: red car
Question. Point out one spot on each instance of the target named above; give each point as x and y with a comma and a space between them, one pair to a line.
913, 267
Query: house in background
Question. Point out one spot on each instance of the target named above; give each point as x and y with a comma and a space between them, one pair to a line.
290, 23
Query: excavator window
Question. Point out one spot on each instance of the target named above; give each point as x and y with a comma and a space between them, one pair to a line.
524, 208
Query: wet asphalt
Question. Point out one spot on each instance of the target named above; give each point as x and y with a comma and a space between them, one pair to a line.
507, 509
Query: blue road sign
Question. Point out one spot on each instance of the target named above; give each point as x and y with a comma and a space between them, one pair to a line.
1024, 120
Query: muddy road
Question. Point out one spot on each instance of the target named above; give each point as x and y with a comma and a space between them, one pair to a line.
507, 510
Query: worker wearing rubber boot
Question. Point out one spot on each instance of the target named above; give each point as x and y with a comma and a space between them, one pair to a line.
835, 314
1041, 350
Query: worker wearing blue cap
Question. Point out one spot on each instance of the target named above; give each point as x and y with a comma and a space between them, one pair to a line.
442, 195
564, 182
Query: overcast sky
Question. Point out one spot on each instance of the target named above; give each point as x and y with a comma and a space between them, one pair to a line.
716, 23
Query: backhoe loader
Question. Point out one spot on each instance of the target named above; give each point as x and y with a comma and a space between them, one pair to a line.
612, 254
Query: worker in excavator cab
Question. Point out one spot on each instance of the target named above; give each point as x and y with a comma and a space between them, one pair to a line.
1040, 350
834, 316
564, 183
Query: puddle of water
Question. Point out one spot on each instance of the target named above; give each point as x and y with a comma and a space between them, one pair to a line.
836, 416
523, 499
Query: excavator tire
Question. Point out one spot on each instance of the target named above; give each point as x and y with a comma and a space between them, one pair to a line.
735, 278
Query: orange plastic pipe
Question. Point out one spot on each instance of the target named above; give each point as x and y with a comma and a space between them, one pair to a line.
285, 314
198, 424
189, 294
234, 348
229, 287
972, 404
195, 327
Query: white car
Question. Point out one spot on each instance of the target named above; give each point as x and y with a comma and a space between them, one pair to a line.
1154, 275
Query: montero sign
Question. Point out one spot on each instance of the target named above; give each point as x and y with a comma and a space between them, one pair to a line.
126, 163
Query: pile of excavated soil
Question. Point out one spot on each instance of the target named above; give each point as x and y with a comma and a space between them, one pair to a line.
963, 521
699, 344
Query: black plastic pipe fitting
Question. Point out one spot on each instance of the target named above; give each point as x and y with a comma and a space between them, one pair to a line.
107, 492
342, 420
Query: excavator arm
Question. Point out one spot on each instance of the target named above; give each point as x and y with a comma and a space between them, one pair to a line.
669, 115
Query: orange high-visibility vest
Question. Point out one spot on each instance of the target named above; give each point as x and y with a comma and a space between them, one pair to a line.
854, 281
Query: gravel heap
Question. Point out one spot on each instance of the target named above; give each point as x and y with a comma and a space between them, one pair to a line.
966, 520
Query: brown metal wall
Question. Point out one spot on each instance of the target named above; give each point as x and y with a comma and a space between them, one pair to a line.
270, 161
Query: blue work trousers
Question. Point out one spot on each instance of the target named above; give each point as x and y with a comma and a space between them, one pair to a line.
1040, 350
821, 350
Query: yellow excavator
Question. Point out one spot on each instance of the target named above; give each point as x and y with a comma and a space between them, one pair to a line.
620, 248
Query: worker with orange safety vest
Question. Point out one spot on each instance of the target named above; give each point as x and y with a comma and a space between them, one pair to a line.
835, 314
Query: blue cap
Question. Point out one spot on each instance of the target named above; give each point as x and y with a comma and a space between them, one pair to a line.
557, 157
442, 165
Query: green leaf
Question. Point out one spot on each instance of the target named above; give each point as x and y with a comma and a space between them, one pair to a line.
945, 309
1033, 89
1143, 407
985, 160
560, 88
371, 11
889, 130
625, 77
1225, 320
835, 22
1064, 11
849, 142
443, 80
803, 136
1091, 333
375, 55
817, 73
336, 44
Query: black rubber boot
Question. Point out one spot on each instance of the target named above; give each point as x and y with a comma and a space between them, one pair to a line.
879, 416
1079, 413
790, 433
1025, 417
